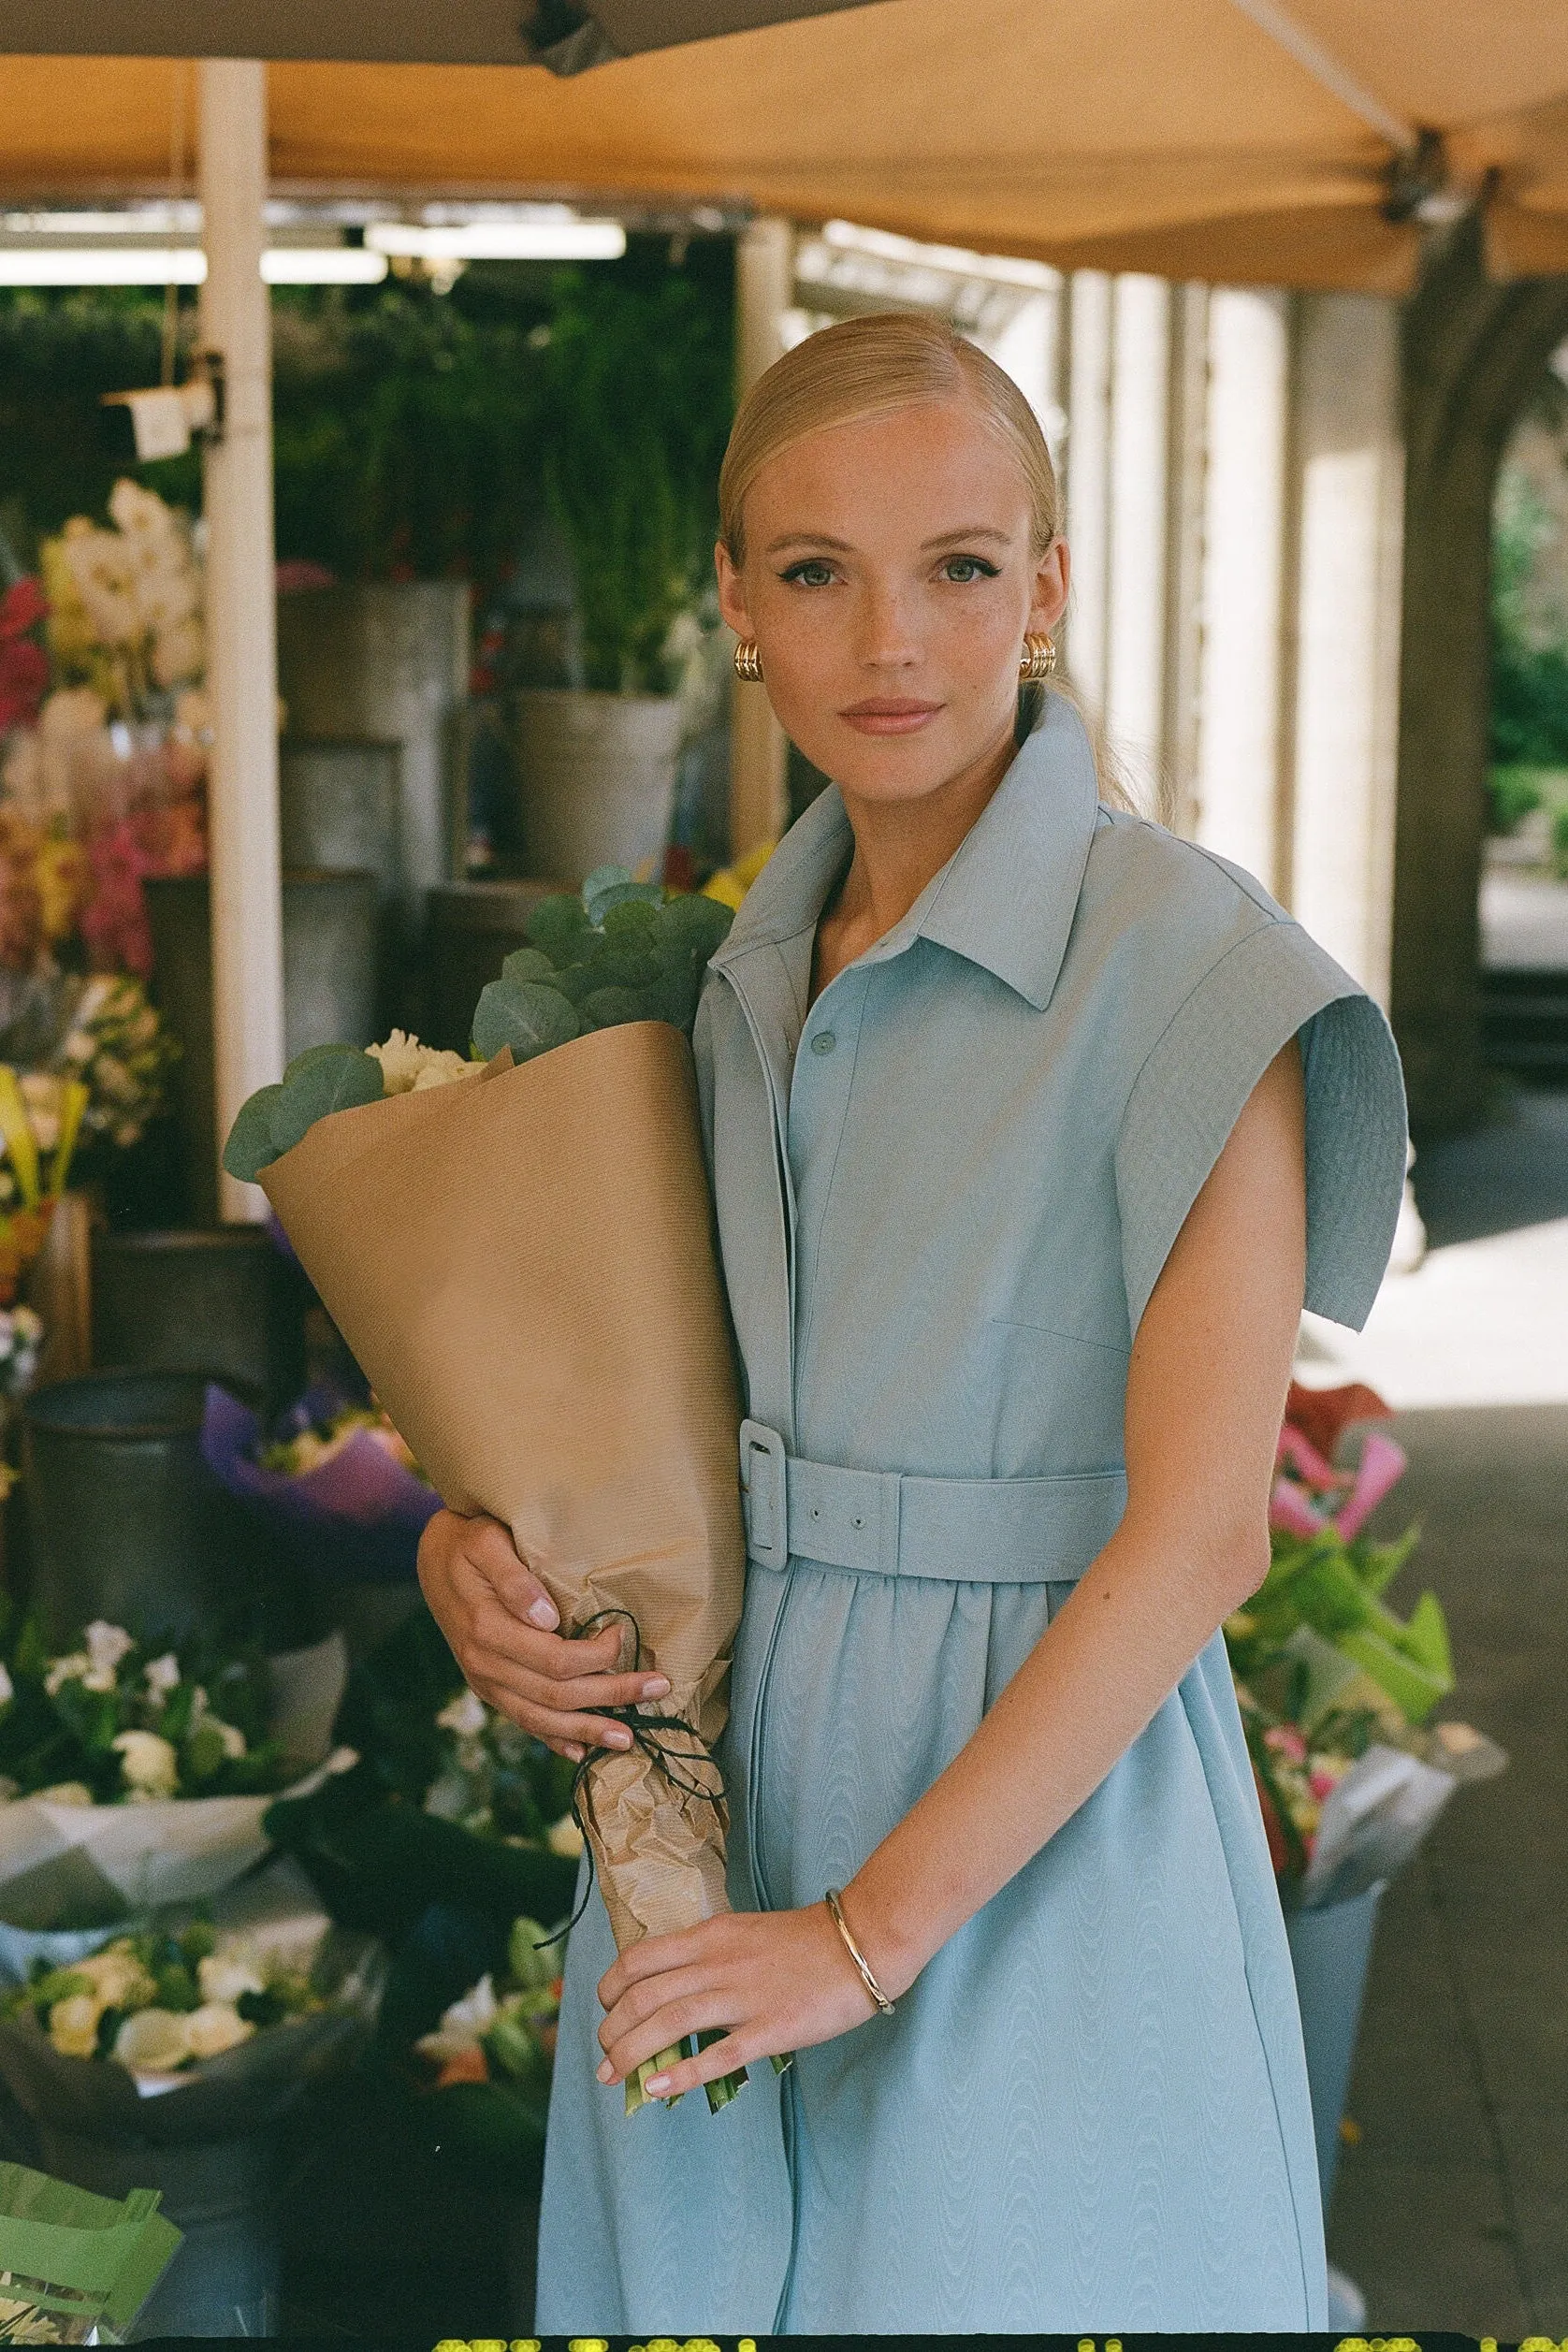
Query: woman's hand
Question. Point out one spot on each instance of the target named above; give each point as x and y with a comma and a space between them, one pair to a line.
501, 1623
777, 1980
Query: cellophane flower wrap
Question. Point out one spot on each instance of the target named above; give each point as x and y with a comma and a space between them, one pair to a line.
522, 1262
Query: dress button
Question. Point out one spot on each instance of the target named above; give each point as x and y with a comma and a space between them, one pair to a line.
823, 1042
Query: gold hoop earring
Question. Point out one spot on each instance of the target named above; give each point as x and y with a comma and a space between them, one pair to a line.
1038, 658
748, 661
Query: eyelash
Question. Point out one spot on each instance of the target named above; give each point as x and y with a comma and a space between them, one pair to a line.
794, 574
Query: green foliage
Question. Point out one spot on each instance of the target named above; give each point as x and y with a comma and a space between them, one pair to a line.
1529, 678
621, 952
636, 414
1512, 795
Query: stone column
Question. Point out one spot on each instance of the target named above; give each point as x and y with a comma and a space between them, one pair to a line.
1135, 602
1239, 781
1349, 458
1088, 482
758, 798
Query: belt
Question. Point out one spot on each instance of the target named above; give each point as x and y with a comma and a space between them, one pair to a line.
962, 1530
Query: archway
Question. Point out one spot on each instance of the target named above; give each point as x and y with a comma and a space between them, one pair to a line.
1472, 352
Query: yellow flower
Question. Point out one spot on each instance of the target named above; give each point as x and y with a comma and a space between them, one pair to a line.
73, 2024
216, 2026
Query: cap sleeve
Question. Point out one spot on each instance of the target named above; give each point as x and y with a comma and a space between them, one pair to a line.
1275, 984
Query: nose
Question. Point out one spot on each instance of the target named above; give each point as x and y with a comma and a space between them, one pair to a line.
887, 637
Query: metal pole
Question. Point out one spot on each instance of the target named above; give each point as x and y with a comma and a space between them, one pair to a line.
242, 621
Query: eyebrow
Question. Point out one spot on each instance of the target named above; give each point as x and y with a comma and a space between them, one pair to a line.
843, 547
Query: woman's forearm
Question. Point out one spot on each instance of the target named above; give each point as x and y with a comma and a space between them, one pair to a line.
1093, 1681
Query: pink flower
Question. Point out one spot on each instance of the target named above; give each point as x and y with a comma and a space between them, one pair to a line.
1322, 1414
1296, 1452
23, 678
1291, 1512
1285, 1740
1322, 1783
1381, 1467
22, 607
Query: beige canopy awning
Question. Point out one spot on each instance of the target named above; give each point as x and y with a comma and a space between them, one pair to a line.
1234, 139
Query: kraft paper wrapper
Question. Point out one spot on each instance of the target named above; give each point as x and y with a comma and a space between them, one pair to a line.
523, 1264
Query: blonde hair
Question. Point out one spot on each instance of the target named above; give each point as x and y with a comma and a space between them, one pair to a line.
871, 367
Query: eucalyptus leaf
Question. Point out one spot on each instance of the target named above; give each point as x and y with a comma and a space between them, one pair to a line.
339, 1080
529, 1019
612, 1008
698, 922
632, 924
250, 1147
311, 1055
529, 964
559, 928
610, 886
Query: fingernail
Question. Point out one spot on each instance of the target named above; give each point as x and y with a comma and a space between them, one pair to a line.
606, 2072
657, 2085
544, 1614
656, 1687
575, 1754
616, 1735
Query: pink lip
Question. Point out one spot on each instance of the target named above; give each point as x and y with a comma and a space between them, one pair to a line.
889, 716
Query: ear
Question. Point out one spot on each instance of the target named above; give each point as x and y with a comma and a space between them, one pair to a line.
732, 592
1051, 576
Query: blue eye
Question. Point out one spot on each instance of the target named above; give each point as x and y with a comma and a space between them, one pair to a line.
811, 572
961, 570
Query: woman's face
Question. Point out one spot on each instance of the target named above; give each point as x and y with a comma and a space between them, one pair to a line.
889, 582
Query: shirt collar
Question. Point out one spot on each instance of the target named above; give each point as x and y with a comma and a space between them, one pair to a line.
1005, 899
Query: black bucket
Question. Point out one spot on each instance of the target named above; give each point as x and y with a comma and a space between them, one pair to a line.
125, 1521
222, 1301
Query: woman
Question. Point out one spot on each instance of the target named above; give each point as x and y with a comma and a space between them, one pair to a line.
1030, 1128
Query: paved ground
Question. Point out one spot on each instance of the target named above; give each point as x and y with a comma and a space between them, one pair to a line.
1452, 2209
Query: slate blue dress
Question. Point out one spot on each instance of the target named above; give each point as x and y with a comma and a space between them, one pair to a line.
944, 1195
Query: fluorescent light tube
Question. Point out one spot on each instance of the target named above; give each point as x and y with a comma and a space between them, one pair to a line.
499, 240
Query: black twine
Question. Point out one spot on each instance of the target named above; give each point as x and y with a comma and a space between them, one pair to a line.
651, 1732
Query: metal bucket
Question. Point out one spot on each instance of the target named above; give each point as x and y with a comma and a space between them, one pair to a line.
473, 927
598, 777
224, 2281
125, 1521
224, 1301
1330, 1949
340, 812
329, 990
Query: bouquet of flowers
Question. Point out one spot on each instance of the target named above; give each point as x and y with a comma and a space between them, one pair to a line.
336, 1474
135, 1773
1336, 1689
125, 601
190, 2029
484, 2071
519, 1250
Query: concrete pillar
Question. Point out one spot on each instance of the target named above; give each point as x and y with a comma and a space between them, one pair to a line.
241, 651
1349, 462
764, 290
1239, 770
1188, 470
1135, 602
1088, 481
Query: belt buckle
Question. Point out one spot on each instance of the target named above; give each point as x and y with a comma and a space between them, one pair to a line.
766, 1494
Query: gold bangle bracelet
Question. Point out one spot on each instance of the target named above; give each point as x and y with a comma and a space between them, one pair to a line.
857, 1955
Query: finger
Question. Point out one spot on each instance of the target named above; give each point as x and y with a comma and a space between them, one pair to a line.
489, 1549
702, 1946
726, 2056
498, 1657
566, 1676
708, 2012
640, 2001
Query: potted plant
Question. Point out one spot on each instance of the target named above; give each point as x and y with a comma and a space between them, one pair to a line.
635, 408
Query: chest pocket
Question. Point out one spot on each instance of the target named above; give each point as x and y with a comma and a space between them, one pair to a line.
1058, 1403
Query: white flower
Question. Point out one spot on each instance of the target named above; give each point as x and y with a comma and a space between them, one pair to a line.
163, 1675
230, 1734
564, 1838
464, 2024
106, 1644
41, 1094
72, 710
28, 1326
408, 1068
465, 1715
104, 577
7, 1689
149, 1763
222, 1976
62, 1670
73, 2024
117, 1976
66, 1793
153, 2042
216, 2026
